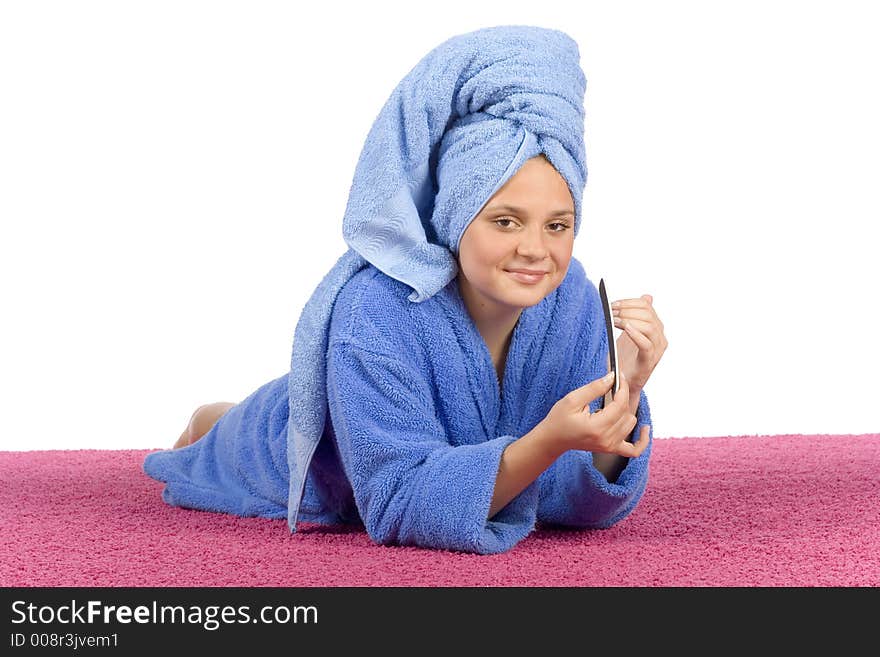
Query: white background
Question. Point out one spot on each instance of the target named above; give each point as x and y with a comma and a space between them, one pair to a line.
173, 177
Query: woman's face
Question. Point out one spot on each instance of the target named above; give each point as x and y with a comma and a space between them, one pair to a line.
535, 231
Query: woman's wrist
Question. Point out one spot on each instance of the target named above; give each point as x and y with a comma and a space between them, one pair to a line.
635, 397
552, 445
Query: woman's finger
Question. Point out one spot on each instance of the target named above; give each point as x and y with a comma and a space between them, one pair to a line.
643, 325
635, 313
634, 450
644, 301
621, 428
623, 424
642, 341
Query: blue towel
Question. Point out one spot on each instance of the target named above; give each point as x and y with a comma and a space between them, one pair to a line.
454, 130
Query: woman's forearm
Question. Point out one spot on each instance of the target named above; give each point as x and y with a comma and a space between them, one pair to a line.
522, 461
525, 459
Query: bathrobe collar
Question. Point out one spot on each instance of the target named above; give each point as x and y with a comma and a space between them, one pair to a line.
494, 408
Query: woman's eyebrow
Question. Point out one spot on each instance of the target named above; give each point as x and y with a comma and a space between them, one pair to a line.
516, 210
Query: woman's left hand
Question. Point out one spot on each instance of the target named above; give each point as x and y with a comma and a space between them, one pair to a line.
642, 342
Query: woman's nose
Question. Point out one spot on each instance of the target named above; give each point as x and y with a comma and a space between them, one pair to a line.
532, 243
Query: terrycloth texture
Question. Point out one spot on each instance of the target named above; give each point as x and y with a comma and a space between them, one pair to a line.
782, 510
418, 424
454, 130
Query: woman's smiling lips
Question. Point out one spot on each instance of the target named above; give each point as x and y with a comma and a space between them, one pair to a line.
528, 276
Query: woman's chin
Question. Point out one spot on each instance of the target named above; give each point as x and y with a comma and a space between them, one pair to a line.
525, 295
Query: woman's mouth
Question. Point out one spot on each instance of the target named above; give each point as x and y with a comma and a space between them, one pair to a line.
528, 279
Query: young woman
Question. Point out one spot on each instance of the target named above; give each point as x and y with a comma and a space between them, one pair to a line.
446, 374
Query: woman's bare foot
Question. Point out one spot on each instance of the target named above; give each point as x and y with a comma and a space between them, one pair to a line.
200, 423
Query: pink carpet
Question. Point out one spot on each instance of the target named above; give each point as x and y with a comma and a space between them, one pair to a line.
784, 510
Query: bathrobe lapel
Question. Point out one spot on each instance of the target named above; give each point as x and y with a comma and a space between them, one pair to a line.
499, 407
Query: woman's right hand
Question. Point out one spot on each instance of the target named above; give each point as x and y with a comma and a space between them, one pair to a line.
570, 424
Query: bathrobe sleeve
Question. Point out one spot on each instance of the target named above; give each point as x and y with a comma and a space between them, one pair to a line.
412, 484
572, 491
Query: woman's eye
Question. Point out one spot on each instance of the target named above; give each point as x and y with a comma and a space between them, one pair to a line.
561, 225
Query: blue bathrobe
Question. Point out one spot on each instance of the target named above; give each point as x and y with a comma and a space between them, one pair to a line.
417, 423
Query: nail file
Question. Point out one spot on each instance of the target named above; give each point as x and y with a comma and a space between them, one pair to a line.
612, 345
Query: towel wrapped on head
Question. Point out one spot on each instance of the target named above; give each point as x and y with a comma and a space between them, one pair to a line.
454, 130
